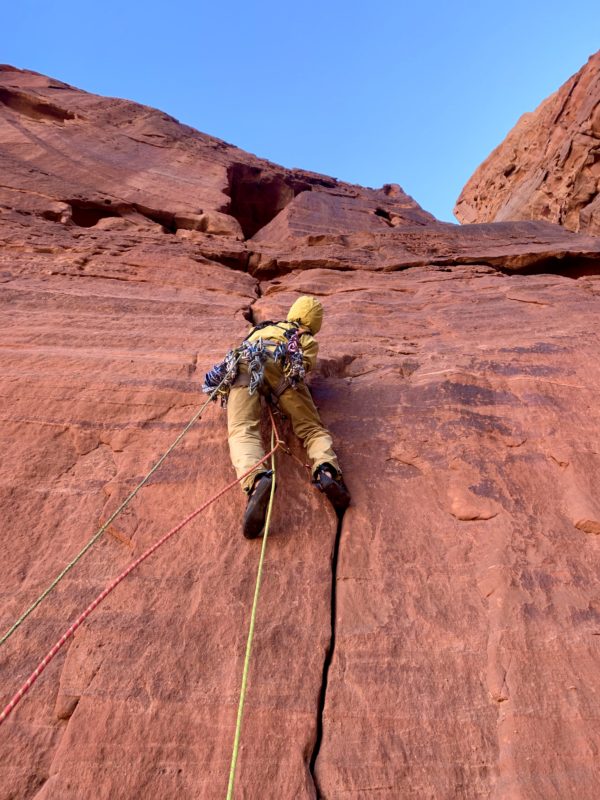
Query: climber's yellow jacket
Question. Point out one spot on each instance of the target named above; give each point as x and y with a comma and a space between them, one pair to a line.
308, 312
243, 408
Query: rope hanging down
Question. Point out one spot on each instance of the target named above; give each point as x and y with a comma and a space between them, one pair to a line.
240, 713
276, 443
111, 519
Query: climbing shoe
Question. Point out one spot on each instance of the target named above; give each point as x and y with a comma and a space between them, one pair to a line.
329, 481
256, 510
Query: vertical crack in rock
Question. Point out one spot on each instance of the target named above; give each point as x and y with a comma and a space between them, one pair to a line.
248, 312
328, 656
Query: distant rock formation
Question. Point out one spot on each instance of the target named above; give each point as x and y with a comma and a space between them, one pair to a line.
442, 640
548, 167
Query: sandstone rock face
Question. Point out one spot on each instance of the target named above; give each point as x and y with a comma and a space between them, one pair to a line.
548, 167
443, 639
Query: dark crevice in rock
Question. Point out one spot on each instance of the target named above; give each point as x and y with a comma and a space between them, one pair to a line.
163, 218
328, 655
385, 215
257, 195
236, 261
248, 314
86, 213
322, 180
33, 107
68, 708
35, 784
267, 268
52, 216
568, 267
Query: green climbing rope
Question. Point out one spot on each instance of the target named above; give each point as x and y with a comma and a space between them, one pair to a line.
240, 713
103, 527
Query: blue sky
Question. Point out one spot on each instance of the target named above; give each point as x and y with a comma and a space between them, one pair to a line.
371, 93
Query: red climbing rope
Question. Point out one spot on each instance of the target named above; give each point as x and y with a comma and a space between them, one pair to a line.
83, 616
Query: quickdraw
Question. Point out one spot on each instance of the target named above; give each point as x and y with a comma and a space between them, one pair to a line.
288, 355
223, 374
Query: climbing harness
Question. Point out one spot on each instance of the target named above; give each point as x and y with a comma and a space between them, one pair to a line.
105, 525
287, 355
276, 443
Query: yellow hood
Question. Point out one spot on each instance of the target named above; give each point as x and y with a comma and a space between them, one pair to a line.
308, 311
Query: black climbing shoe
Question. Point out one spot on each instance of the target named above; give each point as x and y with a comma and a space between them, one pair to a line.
256, 510
330, 482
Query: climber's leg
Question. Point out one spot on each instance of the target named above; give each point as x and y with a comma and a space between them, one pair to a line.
243, 427
298, 405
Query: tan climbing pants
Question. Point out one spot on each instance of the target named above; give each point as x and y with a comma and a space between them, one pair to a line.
243, 424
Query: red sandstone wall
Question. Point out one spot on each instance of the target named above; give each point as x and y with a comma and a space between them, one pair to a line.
459, 373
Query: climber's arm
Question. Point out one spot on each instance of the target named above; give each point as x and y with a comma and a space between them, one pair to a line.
310, 348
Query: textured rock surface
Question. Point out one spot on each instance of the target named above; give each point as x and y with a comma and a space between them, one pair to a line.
451, 646
548, 167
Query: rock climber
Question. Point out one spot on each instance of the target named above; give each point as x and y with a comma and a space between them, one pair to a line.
273, 359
